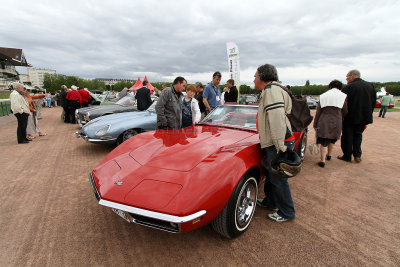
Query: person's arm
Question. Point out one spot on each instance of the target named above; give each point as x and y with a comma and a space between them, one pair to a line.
206, 104
277, 119
317, 114
196, 112
148, 99
160, 108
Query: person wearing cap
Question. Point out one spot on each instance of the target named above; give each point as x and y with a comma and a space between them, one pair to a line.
212, 93
20, 108
143, 97
74, 102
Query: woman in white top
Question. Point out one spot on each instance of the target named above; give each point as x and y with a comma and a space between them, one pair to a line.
190, 108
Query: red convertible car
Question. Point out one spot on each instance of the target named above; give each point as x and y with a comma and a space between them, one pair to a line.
180, 180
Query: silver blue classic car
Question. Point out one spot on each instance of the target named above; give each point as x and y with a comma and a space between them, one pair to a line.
125, 104
117, 128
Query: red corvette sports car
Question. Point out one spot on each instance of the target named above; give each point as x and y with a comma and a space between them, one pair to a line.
180, 180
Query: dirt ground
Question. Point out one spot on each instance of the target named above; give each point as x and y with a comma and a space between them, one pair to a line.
347, 214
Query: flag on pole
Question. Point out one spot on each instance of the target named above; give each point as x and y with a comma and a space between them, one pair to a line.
234, 63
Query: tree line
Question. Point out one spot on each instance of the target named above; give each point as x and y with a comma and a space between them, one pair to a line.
53, 82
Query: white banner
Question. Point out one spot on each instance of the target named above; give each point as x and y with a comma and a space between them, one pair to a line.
233, 62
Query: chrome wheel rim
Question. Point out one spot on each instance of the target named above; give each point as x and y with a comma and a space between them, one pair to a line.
303, 146
246, 204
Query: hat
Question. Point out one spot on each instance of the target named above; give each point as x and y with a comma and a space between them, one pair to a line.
73, 87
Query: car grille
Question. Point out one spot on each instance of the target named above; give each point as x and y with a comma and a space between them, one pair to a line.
81, 118
92, 183
154, 223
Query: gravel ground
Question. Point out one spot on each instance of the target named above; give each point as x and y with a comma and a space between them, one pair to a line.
347, 213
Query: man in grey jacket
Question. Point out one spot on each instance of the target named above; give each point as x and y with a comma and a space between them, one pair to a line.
169, 105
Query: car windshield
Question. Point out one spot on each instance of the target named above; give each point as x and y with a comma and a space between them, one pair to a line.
126, 101
152, 108
233, 115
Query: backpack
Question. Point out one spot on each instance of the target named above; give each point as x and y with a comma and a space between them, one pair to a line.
300, 117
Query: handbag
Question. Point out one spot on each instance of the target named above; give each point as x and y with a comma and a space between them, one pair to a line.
314, 147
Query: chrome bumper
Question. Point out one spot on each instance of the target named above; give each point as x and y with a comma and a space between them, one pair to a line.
161, 221
93, 140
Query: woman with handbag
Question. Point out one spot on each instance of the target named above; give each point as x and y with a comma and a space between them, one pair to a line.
332, 108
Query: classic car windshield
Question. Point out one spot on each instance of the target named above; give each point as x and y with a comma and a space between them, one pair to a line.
152, 108
233, 115
126, 101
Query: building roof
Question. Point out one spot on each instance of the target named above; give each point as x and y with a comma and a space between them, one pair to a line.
13, 56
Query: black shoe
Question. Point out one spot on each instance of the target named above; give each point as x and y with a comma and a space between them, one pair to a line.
321, 164
328, 157
28, 140
262, 205
343, 158
23, 142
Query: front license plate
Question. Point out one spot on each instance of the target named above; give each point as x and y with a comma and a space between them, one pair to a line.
123, 215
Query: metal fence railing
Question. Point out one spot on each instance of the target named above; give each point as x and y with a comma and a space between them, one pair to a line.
5, 107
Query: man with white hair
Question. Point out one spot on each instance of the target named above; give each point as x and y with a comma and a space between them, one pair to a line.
20, 108
361, 97
74, 101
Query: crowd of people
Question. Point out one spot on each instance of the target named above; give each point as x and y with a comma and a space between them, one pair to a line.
341, 113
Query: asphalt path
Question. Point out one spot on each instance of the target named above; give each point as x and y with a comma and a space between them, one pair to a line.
347, 213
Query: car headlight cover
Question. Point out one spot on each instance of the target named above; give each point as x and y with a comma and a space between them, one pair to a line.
87, 116
103, 131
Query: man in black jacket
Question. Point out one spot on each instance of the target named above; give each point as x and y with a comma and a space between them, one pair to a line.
361, 97
63, 103
143, 97
232, 94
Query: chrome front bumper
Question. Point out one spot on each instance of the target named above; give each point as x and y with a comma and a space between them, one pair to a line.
93, 140
161, 221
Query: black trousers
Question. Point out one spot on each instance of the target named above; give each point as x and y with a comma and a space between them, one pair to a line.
351, 140
67, 117
22, 119
72, 106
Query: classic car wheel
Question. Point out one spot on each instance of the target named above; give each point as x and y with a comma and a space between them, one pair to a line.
126, 135
236, 216
302, 147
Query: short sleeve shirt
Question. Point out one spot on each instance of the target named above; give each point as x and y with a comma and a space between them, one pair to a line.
211, 94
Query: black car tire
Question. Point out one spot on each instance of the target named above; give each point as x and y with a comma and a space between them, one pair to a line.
126, 135
302, 147
236, 216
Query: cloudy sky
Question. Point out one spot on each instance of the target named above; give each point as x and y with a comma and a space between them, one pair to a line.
305, 39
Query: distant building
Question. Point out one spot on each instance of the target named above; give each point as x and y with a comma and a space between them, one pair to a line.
36, 76
108, 81
9, 58
24, 78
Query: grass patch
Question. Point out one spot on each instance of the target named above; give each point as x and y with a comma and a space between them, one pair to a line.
5, 94
389, 110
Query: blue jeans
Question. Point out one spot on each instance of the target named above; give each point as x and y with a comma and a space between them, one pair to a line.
383, 110
276, 188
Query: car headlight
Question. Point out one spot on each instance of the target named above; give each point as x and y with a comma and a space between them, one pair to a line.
103, 131
87, 116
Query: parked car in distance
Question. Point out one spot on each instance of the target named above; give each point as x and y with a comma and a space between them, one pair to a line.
180, 180
117, 128
247, 99
125, 104
312, 102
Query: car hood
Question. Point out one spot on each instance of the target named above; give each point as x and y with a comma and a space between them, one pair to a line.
182, 150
